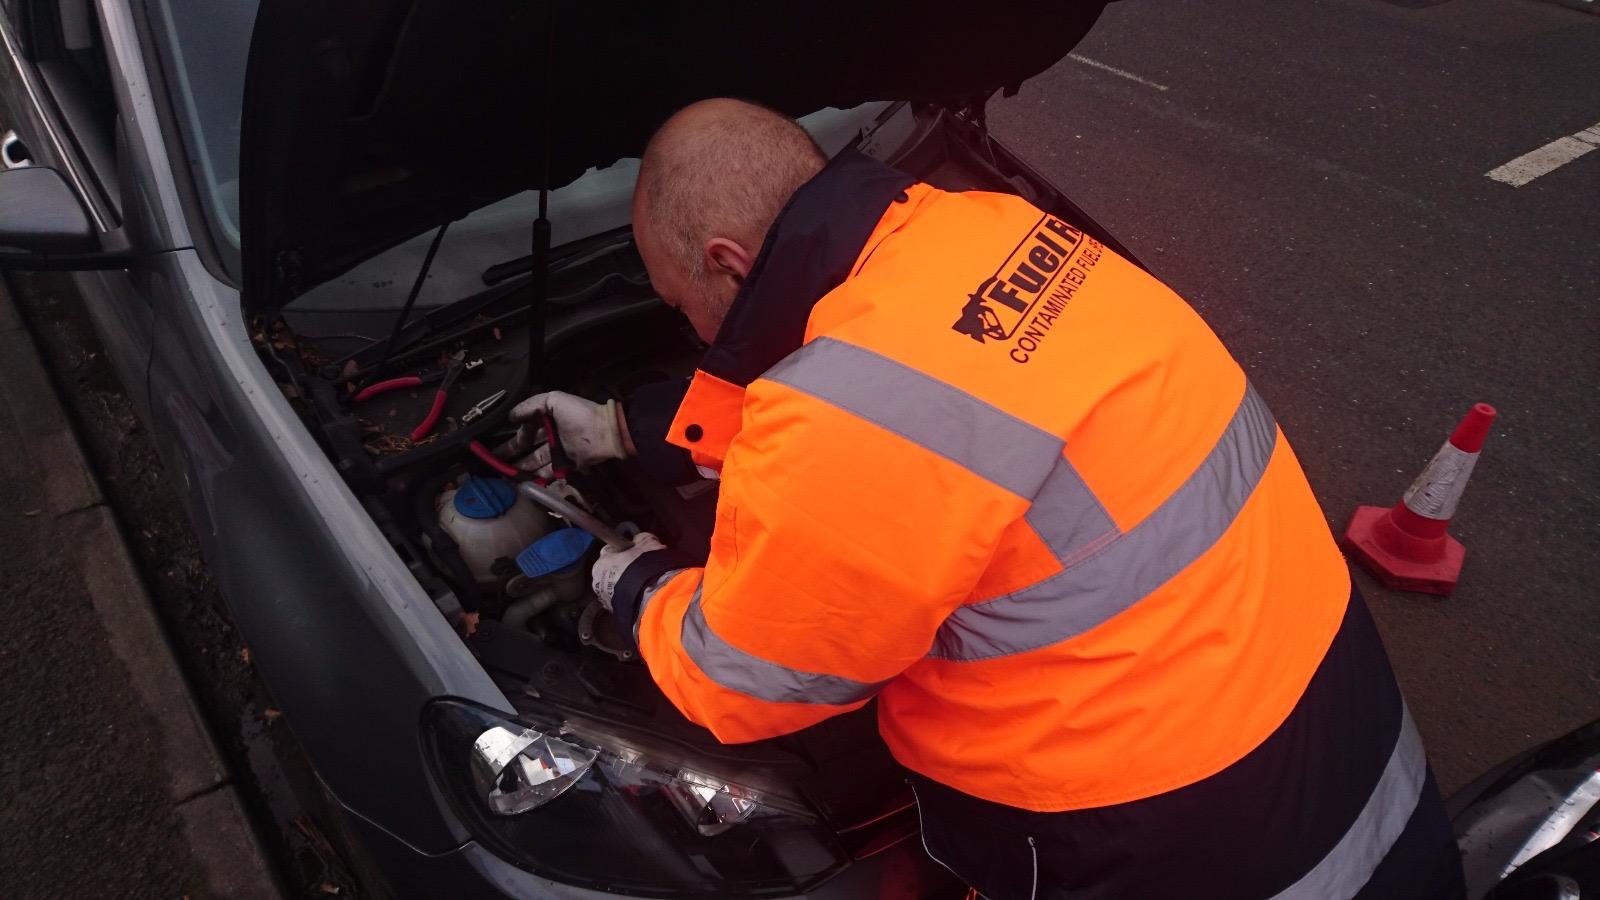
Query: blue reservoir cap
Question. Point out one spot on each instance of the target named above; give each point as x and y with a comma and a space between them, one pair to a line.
485, 498
555, 551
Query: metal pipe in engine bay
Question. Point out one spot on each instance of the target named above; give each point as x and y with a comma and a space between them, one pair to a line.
572, 513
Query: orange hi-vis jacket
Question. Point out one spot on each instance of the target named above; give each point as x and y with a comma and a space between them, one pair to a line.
978, 466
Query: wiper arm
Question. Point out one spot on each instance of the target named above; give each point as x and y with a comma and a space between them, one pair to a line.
392, 341
523, 265
416, 333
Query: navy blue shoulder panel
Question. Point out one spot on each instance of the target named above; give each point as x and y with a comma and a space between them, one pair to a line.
807, 252
1247, 831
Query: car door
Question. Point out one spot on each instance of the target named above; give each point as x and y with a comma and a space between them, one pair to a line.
58, 109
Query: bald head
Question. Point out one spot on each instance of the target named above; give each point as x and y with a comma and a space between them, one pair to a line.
713, 179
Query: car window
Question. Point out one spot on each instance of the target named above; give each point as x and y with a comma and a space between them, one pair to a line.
65, 47
207, 44
596, 203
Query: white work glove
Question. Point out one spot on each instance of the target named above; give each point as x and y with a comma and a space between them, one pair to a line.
589, 432
612, 563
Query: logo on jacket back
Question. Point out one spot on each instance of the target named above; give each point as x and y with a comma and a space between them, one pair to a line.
977, 320
1031, 287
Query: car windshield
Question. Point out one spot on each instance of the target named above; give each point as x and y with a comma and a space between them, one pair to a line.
207, 44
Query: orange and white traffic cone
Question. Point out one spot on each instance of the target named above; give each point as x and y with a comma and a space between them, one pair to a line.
1407, 547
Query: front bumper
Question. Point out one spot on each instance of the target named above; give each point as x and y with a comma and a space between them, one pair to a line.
387, 867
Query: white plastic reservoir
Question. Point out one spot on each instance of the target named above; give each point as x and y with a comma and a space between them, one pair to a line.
489, 519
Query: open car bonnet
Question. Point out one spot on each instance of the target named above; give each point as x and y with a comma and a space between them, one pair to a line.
367, 122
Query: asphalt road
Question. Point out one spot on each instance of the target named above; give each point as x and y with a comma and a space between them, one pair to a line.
87, 799
1311, 176
53, 829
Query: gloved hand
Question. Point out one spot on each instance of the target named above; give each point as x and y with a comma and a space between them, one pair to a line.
612, 563
589, 432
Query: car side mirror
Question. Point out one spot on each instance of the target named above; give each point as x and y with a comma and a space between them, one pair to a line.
43, 226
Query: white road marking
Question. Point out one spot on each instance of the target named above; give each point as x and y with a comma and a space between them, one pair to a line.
1115, 71
1548, 158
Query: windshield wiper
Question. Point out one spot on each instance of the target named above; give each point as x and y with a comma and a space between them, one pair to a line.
391, 342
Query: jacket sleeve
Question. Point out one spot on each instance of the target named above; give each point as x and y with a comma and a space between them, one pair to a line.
648, 411
839, 549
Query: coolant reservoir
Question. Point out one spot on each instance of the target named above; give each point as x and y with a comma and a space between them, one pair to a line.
489, 519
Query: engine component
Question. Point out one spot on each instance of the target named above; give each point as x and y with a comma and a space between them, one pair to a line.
554, 552
533, 596
560, 505
489, 520
596, 630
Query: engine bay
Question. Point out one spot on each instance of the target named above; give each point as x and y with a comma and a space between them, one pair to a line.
461, 527
460, 523
506, 558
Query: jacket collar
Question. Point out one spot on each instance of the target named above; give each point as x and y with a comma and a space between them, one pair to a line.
808, 251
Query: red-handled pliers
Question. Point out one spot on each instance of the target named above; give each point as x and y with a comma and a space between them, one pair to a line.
560, 463
411, 381
458, 364
451, 373
384, 387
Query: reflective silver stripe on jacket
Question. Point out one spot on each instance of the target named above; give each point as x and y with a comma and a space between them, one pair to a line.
1104, 571
737, 670
649, 594
1109, 575
970, 432
1350, 864
987, 441
1068, 517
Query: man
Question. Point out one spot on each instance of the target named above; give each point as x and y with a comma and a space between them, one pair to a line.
977, 466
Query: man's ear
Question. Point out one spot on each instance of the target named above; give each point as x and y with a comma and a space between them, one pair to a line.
725, 256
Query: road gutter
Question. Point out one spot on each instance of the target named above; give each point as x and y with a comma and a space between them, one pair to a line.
221, 839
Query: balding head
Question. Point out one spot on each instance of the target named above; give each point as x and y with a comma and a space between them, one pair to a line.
713, 179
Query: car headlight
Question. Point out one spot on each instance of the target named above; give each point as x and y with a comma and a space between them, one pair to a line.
584, 809
519, 769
